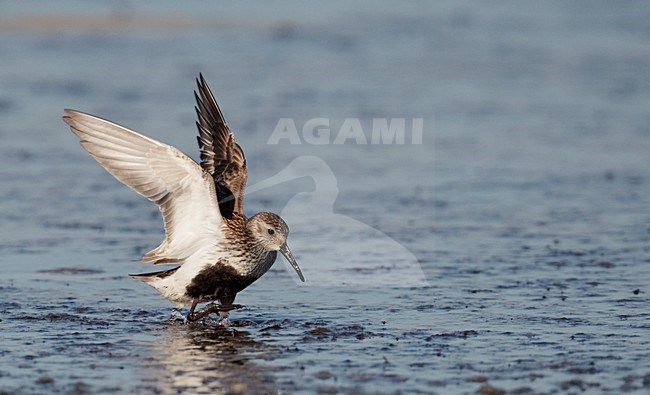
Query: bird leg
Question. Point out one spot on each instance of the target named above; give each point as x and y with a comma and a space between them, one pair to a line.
226, 300
191, 317
209, 309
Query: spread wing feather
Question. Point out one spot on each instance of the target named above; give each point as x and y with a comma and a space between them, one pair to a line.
221, 156
184, 193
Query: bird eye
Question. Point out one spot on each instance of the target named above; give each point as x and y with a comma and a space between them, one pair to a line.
271, 231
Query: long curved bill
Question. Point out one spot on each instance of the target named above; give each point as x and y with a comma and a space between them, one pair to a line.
287, 254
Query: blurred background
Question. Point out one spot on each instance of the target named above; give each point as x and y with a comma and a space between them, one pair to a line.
508, 251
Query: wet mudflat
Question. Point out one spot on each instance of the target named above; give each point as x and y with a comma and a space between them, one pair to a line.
508, 253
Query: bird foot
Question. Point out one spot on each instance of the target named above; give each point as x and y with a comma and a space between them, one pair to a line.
212, 308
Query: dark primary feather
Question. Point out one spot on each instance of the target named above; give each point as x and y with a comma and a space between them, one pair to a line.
221, 156
148, 277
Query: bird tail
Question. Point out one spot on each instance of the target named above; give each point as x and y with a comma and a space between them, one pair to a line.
151, 277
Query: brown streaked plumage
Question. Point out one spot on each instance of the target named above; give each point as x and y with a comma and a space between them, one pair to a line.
221, 156
220, 251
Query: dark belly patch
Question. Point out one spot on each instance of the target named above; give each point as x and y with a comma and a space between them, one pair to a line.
216, 281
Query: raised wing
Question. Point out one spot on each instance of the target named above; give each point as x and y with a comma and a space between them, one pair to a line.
183, 192
221, 156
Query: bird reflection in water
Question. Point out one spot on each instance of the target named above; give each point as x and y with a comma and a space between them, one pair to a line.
208, 359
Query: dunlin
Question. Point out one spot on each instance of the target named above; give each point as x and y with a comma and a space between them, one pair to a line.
219, 251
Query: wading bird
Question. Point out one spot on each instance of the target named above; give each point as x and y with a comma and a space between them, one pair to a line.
219, 250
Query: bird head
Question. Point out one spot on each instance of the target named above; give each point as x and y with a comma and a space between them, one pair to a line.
271, 232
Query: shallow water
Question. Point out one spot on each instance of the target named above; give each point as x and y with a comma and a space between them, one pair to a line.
508, 252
